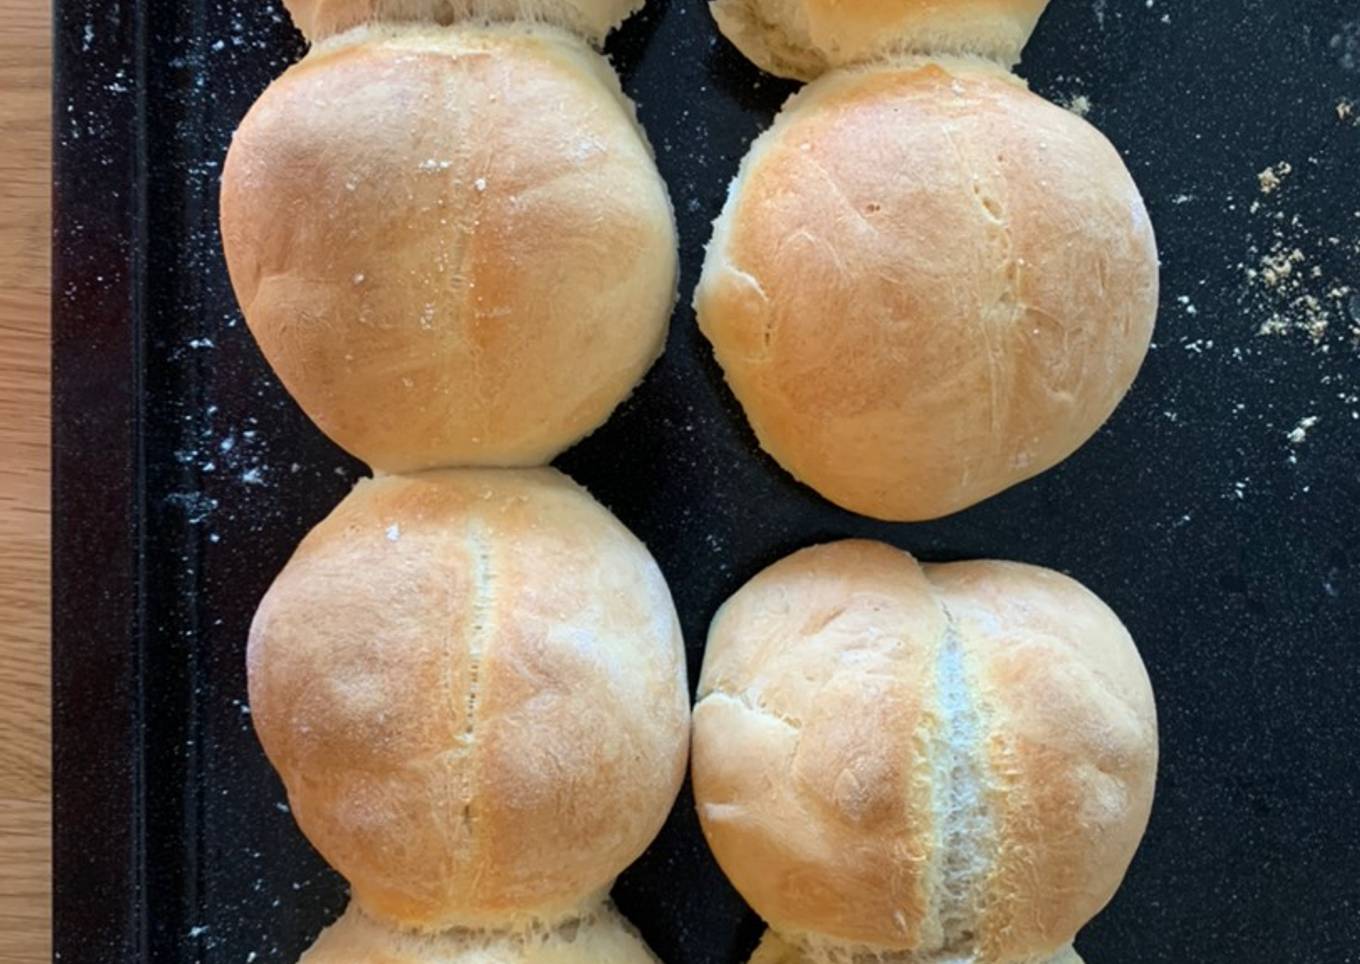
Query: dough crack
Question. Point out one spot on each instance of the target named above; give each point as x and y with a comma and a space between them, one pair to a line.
753, 704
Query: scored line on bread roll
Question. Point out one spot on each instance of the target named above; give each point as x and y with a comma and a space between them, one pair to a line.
967, 834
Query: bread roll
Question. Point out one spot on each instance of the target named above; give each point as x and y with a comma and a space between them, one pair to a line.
775, 950
927, 285
943, 763
451, 244
602, 936
473, 686
591, 19
804, 38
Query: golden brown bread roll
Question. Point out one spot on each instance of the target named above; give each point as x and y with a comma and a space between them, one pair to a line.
600, 936
775, 950
592, 19
451, 244
933, 763
804, 38
473, 686
927, 285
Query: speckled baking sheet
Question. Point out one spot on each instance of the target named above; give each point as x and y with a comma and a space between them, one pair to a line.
1218, 512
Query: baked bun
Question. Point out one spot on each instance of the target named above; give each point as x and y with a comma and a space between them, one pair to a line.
944, 762
601, 936
452, 245
805, 38
591, 19
774, 949
927, 285
473, 686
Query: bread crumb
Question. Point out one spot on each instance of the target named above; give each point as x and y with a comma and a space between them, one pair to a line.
1279, 265
1345, 110
1272, 177
1274, 325
1299, 433
1078, 104
1315, 318
1288, 281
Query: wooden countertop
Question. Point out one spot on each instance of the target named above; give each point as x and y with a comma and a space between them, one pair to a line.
25, 774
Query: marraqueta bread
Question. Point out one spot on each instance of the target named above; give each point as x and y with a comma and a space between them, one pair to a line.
803, 39
927, 285
472, 684
451, 244
938, 763
448, 236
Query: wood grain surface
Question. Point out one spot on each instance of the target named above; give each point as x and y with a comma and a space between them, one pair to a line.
25, 776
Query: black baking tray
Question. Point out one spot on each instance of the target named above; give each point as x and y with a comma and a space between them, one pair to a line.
184, 476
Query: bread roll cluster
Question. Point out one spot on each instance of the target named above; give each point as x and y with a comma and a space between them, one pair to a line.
927, 284
942, 764
448, 236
